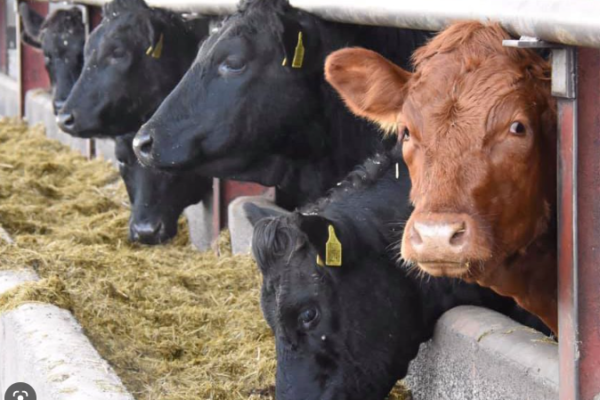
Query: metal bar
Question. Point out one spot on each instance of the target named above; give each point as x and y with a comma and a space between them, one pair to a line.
588, 223
572, 22
568, 321
579, 230
3, 38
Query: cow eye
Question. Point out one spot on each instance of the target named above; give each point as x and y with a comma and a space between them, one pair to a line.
405, 135
232, 66
308, 317
517, 128
118, 52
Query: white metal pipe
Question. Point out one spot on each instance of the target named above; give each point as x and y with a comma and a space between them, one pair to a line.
574, 22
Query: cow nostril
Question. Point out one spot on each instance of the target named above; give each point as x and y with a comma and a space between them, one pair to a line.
142, 145
66, 121
458, 237
415, 237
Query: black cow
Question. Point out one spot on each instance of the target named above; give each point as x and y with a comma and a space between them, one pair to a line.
61, 37
122, 84
133, 59
157, 197
255, 106
350, 332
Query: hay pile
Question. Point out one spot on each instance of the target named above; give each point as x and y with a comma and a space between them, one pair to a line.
175, 324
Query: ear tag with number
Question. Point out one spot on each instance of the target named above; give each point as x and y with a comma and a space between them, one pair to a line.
333, 250
299, 53
156, 52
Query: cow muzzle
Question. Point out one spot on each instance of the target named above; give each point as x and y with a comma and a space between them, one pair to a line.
444, 244
149, 233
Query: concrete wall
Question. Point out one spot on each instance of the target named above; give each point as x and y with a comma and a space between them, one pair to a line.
105, 149
44, 346
9, 96
478, 354
38, 109
199, 217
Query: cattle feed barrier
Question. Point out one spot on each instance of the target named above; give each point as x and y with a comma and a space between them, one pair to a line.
568, 22
44, 346
573, 22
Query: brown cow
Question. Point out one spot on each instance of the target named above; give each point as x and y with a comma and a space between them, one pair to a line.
477, 122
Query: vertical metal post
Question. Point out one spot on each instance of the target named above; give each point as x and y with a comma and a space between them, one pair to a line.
568, 321
579, 233
225, 191
3, 38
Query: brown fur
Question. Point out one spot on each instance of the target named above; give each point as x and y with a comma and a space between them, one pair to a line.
467, 169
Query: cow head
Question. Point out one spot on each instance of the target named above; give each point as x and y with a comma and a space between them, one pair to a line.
61, 37
132, 61
343, 333
476, 121
157, 198
250, 91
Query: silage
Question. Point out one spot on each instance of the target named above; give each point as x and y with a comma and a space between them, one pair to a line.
174, 323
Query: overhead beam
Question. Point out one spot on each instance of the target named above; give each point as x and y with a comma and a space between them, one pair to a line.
571, 22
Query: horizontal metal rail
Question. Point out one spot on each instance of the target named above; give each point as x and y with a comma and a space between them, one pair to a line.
571, 22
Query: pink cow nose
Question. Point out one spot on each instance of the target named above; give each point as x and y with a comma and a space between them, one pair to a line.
434, 236
440, 237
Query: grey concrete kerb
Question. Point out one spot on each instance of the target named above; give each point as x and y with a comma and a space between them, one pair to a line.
44, 346
478, 354
240, 228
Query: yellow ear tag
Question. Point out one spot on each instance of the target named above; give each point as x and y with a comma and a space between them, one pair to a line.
299, 53
333, 250
156, 52
320, 262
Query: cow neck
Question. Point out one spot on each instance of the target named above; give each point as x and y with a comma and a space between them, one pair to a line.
335, 139
530, 276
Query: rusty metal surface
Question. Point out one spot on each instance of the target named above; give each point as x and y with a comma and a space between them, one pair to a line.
588, 222
579, 234
567, 311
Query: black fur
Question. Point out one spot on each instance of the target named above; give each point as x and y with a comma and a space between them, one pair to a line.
61, 37
371, 315
264, 122
121, 85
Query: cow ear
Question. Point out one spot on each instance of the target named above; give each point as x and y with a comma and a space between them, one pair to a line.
371, 86
32, 24
325, 238
255, 213
300, 41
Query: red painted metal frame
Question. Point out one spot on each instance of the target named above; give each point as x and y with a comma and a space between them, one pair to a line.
3, 38
579, 234
33, 72
224, 192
